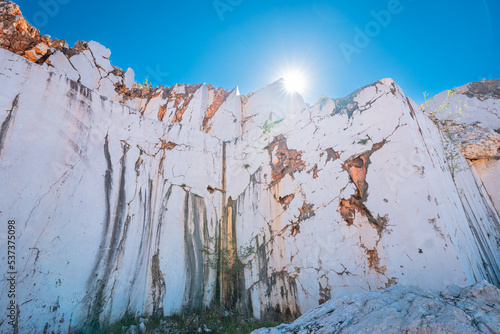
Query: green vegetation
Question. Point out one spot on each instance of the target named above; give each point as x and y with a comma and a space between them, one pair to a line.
226, 259
217, 320
223, 256
452, 154
363, 141
322, 100
269, 124
453, 115
146, 84
426, 95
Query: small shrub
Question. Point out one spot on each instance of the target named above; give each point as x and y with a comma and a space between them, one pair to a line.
452, 155
226, 259
322, 100
453, 115
146, 84
363, 141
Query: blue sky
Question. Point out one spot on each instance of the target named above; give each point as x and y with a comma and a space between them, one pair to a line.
340, 46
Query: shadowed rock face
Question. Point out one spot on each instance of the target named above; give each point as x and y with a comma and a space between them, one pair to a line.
403, 309
484, 89
470, 119
6, 122
122, 194
195, 228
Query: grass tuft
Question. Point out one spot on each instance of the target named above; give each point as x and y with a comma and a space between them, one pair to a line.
213, 320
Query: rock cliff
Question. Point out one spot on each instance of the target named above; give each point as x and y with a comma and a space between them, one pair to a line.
131, 199
470, 119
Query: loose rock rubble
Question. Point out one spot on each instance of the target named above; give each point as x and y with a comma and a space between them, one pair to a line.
403, 309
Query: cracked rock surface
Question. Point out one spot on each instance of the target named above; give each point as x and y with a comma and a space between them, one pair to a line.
476, 130
475, 141
122, 193
403, 309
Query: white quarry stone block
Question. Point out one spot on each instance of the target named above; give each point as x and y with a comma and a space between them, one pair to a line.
129, 78
62, 65
101, 55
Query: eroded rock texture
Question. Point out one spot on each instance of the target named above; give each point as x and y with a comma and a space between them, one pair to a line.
403, 309
470, 120
124, 196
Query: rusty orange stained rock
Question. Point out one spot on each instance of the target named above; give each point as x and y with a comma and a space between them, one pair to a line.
288, 161
220, 95
357, 167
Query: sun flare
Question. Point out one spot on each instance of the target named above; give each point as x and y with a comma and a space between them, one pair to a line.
295, 81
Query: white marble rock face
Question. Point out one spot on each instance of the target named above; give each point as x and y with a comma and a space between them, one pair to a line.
114, 204
471, 115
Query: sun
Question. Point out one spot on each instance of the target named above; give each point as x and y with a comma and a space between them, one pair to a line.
295, 81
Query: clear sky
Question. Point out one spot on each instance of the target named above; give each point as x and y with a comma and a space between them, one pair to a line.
339, 45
